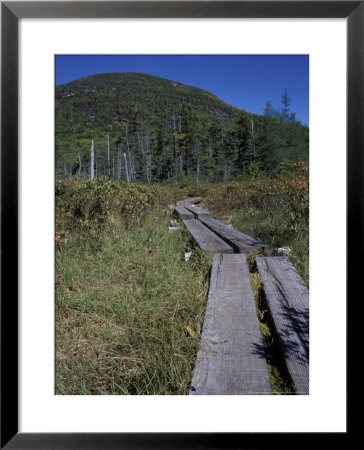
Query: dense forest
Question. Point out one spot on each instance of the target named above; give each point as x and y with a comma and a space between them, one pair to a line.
136, 127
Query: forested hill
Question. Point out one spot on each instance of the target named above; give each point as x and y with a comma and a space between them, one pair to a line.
141, 96
145, 128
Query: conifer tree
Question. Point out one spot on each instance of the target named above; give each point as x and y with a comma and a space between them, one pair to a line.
286, 101
242, 138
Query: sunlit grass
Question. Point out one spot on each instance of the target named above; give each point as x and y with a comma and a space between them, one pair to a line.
122, 312
129, 308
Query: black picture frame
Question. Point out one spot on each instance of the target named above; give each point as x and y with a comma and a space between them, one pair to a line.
11, 12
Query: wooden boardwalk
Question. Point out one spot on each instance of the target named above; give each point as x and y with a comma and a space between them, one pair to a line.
183, 213
231, 358
198, 212
240, 241
189, 201
288, 302
205, 238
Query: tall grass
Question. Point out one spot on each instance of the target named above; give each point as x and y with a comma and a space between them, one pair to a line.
129, 313
129, 308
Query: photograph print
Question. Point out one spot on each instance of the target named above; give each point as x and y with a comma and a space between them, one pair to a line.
182, 224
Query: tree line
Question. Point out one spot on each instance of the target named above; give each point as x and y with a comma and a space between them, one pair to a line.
183, 148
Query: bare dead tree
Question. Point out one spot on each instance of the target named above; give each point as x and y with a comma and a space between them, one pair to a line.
149, 158
108, 157
92, 169
180, 116
132, 172
126, 169
119, 164
174, 136
79, 164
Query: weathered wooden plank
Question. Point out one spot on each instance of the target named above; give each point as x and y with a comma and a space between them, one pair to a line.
240, 241
205, 238
183, 213
191, 201
231, 358
198, 212
288, 302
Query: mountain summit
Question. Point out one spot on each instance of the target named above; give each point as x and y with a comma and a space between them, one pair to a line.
166, 129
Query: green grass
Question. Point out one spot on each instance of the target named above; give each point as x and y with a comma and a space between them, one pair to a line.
271, 229
129, 308
122, 309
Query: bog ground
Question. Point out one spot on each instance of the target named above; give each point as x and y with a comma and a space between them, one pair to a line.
129, 308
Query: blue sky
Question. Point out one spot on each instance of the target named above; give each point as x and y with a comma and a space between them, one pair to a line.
244, 81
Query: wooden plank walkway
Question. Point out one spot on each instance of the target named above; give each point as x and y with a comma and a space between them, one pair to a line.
205, 238
183, 213
288, 302
198, 212
231, 358
189, 201
240, 241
